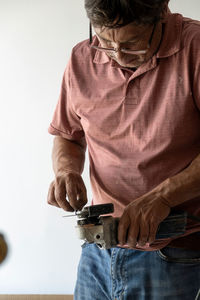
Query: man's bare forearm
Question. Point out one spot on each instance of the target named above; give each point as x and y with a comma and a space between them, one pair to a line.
141, 218
68, 156
183, 186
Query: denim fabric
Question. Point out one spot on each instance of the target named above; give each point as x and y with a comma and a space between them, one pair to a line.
124, 274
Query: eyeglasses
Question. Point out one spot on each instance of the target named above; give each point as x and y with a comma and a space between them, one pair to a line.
124, 50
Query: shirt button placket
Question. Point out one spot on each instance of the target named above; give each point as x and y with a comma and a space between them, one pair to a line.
132, 92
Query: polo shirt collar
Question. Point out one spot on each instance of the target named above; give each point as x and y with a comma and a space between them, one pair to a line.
100, 57
171, 41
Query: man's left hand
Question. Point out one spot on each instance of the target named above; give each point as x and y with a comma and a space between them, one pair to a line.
139, 223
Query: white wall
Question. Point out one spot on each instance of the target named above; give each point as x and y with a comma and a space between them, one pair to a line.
36, 37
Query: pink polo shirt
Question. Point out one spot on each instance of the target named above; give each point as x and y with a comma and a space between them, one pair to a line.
141, 127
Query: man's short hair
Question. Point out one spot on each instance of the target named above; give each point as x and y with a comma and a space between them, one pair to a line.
118, 13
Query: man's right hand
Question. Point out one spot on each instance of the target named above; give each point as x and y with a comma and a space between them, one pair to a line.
68, 192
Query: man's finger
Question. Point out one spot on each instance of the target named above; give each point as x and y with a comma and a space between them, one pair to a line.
152, 232
82, 195
72, 194
133, 234
51, 196
81, 199
60, 196
123, 226
143, 234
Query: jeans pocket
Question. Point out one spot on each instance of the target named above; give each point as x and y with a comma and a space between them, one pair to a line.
178, 255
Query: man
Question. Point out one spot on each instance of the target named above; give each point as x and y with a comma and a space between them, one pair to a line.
132, 94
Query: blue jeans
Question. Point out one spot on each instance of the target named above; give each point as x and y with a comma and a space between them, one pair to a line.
125, 274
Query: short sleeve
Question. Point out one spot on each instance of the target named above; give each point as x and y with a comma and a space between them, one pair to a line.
65, 121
